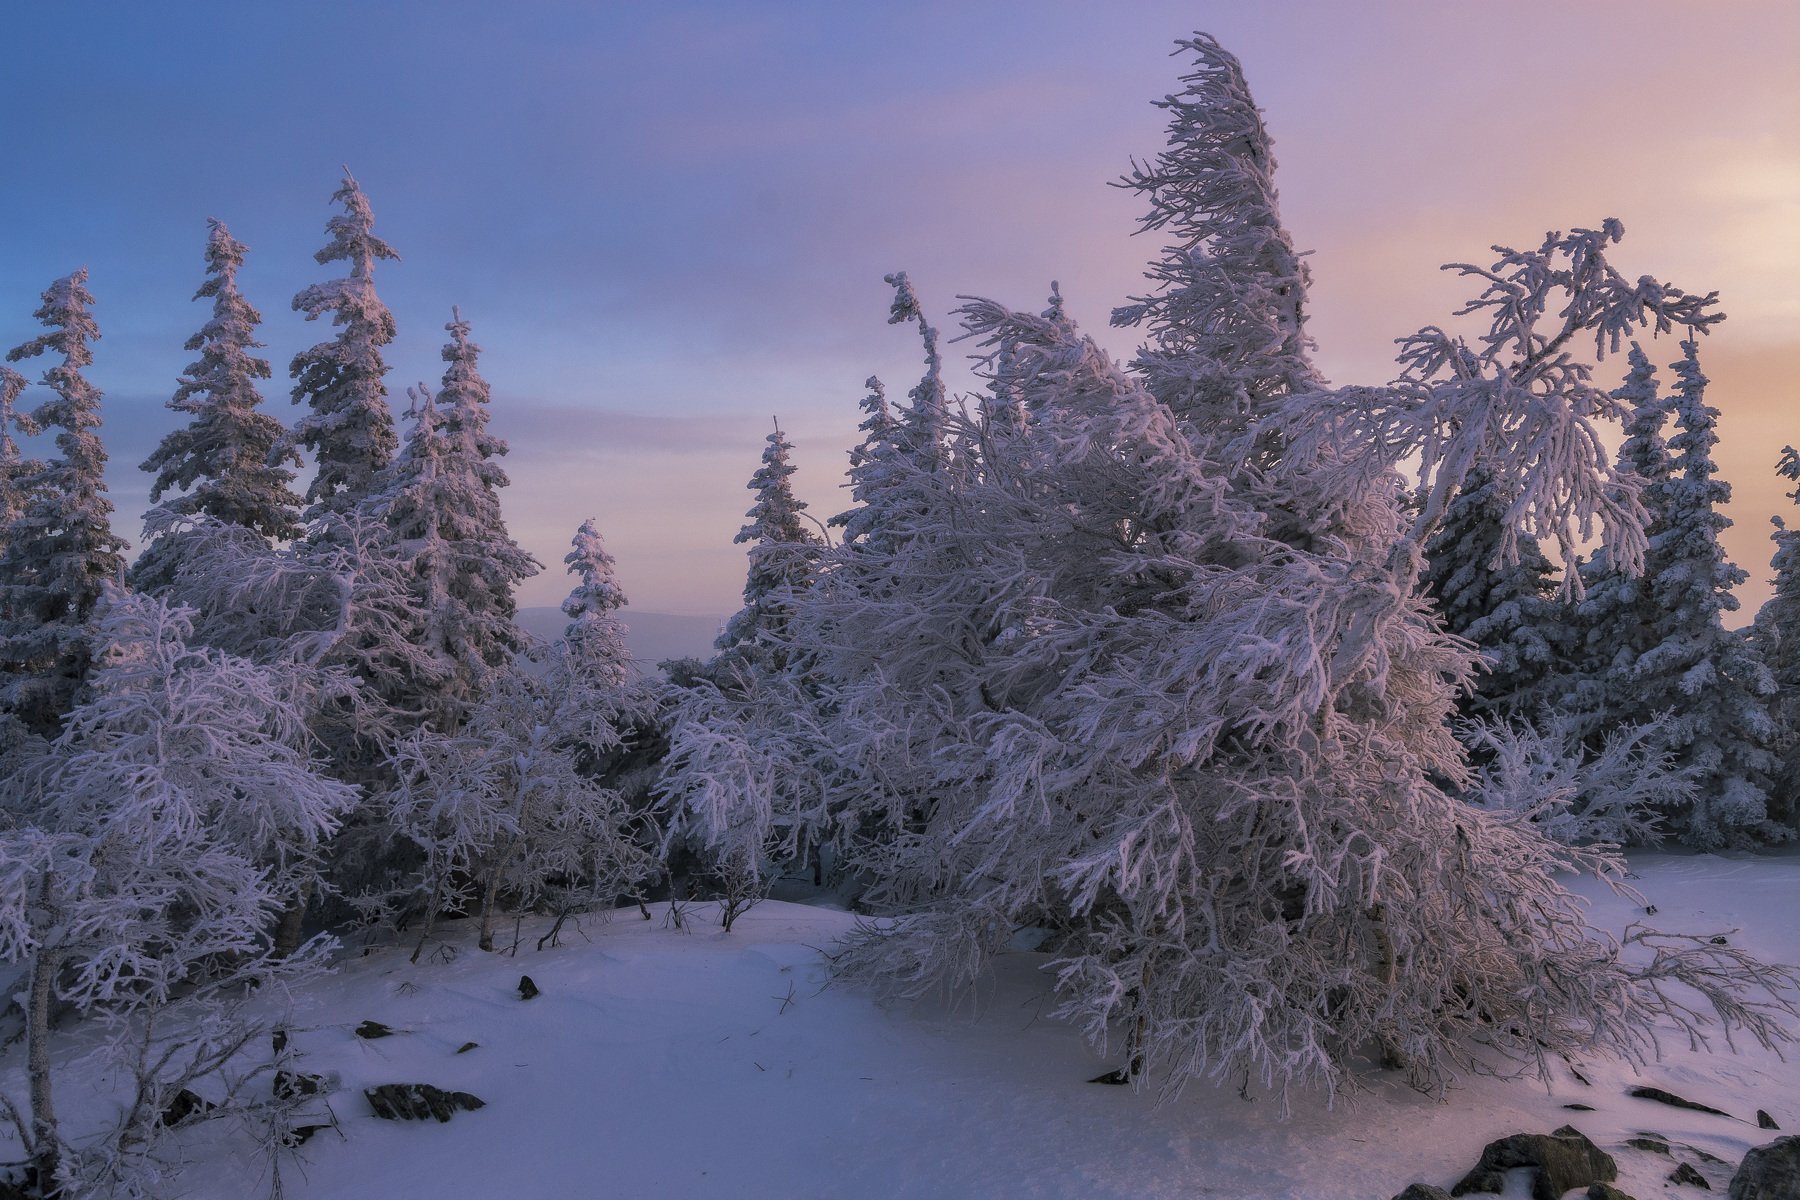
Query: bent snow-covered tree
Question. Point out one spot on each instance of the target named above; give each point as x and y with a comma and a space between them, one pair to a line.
1169, 686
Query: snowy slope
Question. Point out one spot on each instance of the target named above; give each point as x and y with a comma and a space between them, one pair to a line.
701, 1064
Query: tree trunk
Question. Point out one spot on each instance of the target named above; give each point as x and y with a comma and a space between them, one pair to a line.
46, 1143
489, 893
292, 923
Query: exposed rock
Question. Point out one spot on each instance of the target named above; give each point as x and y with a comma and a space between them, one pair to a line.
1606, 1191
299, 1135
1651, 1144
372, 1030
1770, 1172
1662, 1097
1423, 1191
1685, 1173
468, 1046
1117, 1077
184, 1105
1559, 1161
417, 1101
527, 989
1765, 1121
1579, 1107
291, 1085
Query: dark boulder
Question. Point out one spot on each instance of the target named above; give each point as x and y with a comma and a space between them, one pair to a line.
1685, 1174
1558, 1162
1670, 1098
1423, 1191
1606, 1191
418, 1101
1770, 1172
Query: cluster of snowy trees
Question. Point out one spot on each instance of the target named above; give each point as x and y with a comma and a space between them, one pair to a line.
1278, 749
1273, 708
293, 714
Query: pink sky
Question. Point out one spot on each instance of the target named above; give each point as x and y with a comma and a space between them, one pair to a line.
669, 223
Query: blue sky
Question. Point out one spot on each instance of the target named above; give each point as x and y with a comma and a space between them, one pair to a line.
669, 222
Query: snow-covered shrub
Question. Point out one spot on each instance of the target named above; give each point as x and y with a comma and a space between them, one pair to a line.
502, 814
1544, 772
150, 848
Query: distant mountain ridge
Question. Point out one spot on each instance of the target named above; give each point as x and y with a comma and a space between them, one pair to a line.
651, 636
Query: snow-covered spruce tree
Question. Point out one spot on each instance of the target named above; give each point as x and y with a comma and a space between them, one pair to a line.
728, 778
12, 463
60, 549
225, 462
1193, 717
1706, 685
896, 444
1610, 617
440, 501
1506, 608
148, 851
349, 427
783, 559
604, 711
1777, 637
869, 460
594, 640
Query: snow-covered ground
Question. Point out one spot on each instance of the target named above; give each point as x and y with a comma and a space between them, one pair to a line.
694, 1063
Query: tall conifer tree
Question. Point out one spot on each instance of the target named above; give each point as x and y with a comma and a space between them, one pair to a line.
1505, 608
783, 554
1704, 683
60, 551
226, 457
349, 427
441, 505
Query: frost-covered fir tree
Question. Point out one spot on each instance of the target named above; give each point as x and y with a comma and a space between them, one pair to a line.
1505, 607
1610, 620
59, 551
871, 464
783, 559
594, 640
348, 427
1777, 637
441, 503
603, 712
1705, 684
11, 461
148, 850
225, 462
1191, 717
